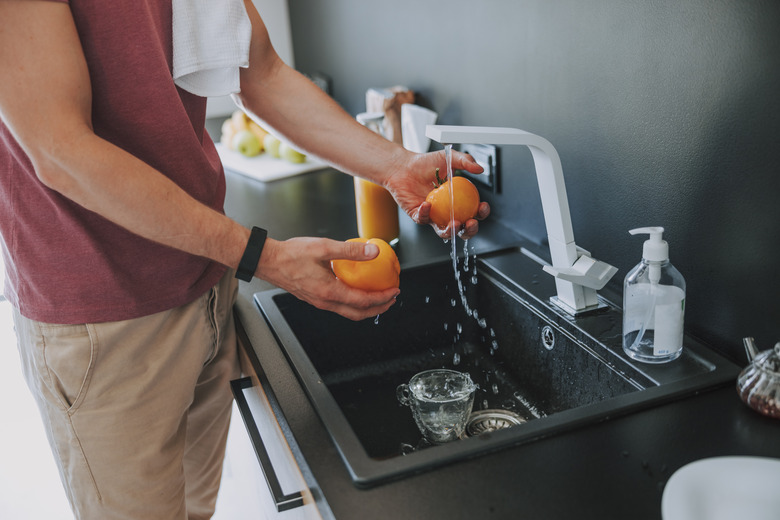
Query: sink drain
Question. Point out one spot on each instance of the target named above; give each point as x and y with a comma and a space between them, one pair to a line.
485, 421
548, 337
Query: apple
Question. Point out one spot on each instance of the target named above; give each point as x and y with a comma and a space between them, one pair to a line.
258, 130
291, 154
272, 144
228, 132
240, 121
246, 143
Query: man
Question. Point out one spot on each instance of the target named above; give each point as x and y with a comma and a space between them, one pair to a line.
120, 261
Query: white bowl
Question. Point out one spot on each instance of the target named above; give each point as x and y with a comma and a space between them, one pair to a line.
724, 488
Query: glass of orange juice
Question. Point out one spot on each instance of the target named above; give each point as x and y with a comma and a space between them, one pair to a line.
377, 212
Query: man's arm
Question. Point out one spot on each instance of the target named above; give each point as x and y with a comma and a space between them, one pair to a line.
295, 108
39, 44
299, 111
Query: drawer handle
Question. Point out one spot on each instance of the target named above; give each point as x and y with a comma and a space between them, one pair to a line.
283, 502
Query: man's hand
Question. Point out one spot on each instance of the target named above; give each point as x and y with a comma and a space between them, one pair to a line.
412, 183
301, 266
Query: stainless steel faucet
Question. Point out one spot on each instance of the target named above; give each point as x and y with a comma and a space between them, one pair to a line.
577, 275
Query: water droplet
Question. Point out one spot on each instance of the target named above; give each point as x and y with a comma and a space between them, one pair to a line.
446, 326
484, 404
459, 328
492, 333
456, 359
453, 302
474, 280
406, 449
495, 345
495, 388
376, 320
482, 323
427, 299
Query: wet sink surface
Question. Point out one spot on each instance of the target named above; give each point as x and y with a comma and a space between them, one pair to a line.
525, 358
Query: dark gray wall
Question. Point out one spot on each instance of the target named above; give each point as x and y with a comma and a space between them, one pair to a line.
664, 112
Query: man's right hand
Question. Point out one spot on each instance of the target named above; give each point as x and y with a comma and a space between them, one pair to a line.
301, 266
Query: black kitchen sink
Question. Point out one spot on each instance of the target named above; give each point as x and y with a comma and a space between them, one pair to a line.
547, 371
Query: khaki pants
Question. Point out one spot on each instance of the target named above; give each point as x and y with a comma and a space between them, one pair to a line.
137, 411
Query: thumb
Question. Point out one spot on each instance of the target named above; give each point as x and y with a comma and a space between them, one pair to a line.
466, 162
359, 250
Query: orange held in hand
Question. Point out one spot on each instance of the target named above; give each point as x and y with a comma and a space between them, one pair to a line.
377, 274
466, 199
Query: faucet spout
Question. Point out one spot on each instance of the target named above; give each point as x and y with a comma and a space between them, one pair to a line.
577, 275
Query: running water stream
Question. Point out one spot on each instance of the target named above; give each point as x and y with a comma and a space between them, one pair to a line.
470, 312
454, 234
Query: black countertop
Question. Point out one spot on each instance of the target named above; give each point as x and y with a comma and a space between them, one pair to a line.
613, 469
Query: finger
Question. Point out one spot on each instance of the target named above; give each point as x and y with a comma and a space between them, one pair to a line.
422, 215
353, 251
356, 314
470, 229
464, 161
446, 233
357, 304
483, 211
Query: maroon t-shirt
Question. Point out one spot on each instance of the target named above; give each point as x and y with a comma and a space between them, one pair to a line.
66, 264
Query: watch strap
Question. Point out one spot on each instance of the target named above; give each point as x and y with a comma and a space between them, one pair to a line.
251, 257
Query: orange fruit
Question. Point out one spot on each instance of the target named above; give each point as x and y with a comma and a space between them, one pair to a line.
466, 198
380, 273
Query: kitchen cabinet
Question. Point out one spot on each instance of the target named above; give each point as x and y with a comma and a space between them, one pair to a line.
263, 457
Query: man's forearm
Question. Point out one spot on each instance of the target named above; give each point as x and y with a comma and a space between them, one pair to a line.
298, 110
146, 202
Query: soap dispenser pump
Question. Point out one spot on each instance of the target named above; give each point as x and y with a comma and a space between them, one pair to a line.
653, 303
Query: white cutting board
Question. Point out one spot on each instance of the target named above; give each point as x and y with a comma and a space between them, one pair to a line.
263, 167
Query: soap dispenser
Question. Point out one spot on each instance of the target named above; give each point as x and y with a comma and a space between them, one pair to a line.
653, 303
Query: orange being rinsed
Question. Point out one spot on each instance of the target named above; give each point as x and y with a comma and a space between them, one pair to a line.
460, 202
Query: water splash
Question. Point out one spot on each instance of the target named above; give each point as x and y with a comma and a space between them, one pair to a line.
525, 403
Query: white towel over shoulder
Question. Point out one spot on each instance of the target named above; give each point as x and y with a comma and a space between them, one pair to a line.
210, 42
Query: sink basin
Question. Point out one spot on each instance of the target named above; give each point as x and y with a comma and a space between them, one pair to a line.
550, 372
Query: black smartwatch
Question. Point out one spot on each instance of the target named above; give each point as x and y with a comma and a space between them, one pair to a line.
254, 248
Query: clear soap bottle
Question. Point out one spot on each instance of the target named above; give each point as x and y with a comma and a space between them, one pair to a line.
653, 303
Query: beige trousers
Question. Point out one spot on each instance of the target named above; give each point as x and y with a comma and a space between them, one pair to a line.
137, 411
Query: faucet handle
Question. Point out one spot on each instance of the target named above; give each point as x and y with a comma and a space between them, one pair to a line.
586, 271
